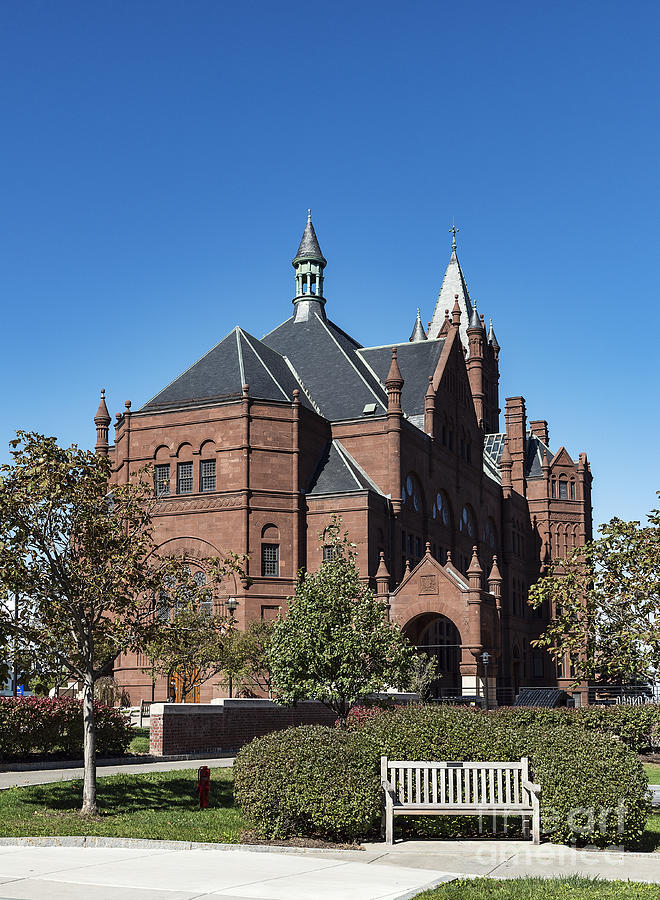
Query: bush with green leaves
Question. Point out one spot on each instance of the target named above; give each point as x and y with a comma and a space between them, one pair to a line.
312, 781
593, 786
48, 725
637, 726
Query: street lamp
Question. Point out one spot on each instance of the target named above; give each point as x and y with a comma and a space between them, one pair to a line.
485, 658
231, 604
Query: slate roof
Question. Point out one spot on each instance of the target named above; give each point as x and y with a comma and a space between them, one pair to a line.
453, 283
417, 360
494, 445
534, 461
309, 245
326, 361
220, 374
338, 473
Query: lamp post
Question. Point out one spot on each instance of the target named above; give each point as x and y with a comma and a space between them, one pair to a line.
485, 658
231, 604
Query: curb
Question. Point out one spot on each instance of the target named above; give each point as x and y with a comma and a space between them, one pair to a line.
144, 844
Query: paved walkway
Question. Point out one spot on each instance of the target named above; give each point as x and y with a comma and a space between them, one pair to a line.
164, 873
47, 776
107, 869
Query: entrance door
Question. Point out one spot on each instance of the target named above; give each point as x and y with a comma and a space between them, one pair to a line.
440, 639
179, 682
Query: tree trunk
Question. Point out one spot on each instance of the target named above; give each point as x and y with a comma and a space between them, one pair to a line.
89, 806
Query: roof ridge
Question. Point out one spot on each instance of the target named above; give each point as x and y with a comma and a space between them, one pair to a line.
302, 384
350, 361
191, 366
241, 366
342, 452
284, 393
357, 466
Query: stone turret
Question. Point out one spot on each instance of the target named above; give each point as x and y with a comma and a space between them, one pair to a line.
309, 264
102, 422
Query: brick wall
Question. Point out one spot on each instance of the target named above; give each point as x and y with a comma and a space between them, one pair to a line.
224, 725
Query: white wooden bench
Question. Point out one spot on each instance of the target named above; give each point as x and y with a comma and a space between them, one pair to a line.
459, 789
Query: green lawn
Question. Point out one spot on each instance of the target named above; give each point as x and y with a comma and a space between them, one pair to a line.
158, 805
542, 889
140, 741
652, 773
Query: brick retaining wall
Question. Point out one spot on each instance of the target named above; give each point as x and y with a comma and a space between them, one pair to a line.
224, 725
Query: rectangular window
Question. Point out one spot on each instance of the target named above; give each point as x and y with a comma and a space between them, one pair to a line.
162, 480
572, 490
270, 560
328, 553
184, 478
418, 547
207, 475
410, 544
403, 542
563, 489
269, 613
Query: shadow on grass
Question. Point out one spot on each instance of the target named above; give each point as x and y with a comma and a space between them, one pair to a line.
129, 795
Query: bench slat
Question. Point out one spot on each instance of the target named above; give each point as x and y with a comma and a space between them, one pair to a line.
434, 764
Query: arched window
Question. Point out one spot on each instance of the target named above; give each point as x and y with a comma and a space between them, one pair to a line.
441, 510
270, 551
563, 488
411, 493
466, 522
572, 489
554, 488
489, 536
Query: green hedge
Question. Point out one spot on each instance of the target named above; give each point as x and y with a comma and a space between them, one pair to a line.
637, 726
312, 780
318, 781
55, 725
588, 779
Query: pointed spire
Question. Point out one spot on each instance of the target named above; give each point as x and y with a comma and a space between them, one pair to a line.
102, 422
475, 573
495, 583
382, 577
394, 377
495, 575
309, 264
492, 340
428, 548
475, 321
309, 245
445, 325
456, 313
418, 333
453, 286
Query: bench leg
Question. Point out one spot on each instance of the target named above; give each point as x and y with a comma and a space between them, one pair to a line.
389, 826
536, 824
526, 827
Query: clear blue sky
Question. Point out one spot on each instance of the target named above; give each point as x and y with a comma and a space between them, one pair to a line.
157, 160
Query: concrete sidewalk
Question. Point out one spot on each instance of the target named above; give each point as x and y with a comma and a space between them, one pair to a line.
516, 859
171, 873
47, 776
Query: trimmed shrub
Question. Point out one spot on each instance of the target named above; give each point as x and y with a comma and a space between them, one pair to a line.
593, 786
311, 780
52, 725
637, 726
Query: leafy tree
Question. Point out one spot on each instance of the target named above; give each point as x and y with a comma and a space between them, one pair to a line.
84, 563
335, 643
425, 671
247, 659
605, 604
191, 644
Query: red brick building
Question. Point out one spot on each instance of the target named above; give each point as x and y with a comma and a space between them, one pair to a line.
259, 441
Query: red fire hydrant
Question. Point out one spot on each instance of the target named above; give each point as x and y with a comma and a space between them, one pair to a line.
203, 786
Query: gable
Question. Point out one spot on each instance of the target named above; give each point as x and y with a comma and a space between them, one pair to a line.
561, 458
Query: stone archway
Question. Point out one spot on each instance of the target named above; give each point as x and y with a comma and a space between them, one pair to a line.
438, 637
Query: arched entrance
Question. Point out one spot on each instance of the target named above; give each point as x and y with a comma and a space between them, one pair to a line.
437, 636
